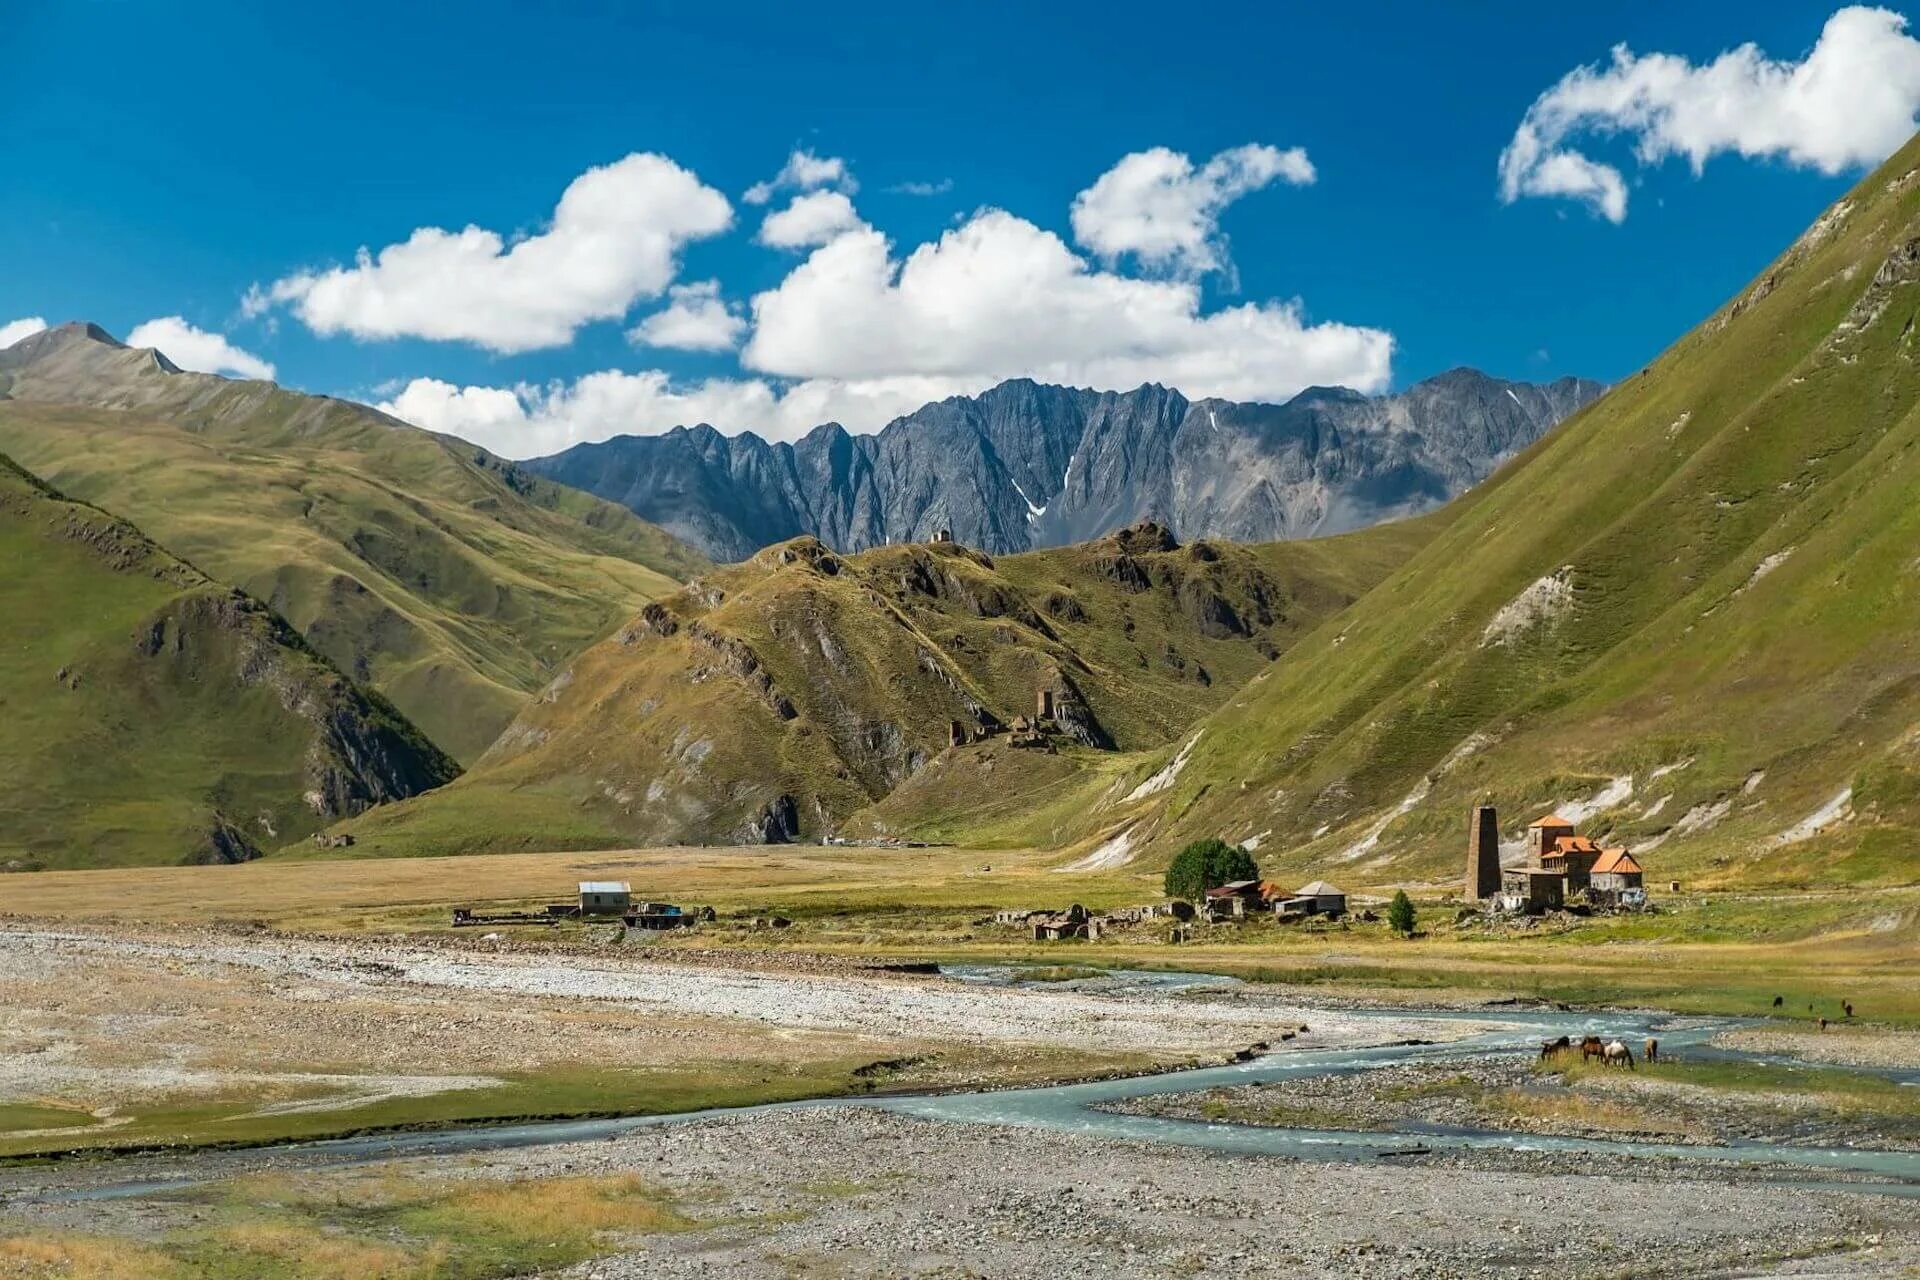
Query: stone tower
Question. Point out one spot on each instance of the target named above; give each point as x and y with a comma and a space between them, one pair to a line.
1483, 855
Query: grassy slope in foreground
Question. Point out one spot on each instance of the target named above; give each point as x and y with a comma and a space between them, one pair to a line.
1695, 608
153, 715
831, 680
423, 566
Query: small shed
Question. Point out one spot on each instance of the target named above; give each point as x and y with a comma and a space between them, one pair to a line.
1326, 900
605, 897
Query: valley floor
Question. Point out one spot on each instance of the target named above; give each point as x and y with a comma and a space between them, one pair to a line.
163, 1026
137, 1037
167, 1038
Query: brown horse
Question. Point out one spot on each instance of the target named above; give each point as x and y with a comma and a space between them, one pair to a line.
1652, 1053
1554, 1048
1592, 1047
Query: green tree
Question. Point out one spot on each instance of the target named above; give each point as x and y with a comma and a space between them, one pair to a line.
1400, 912
1208, 864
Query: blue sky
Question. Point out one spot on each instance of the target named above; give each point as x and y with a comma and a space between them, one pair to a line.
163, 161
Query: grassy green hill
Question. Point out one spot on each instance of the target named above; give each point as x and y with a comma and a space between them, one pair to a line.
1691, 614
790, 693
149, 714
451, 581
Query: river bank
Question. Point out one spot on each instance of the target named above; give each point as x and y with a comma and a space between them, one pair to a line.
1694, 1100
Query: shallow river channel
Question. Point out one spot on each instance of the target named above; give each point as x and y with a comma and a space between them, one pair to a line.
1076, 1108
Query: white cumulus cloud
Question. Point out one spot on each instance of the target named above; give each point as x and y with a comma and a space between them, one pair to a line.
855, 337
1849, 103
1164, 210
810, 220
804, 171
529, 420
615, 239
697, 318
999, 297
14, 330
858, 335
196, 349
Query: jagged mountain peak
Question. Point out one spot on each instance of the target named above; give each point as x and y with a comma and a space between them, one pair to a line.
81, 330
81, 349
1027, 464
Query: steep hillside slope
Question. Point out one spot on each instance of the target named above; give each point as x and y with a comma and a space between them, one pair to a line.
1689, 619
426, 568
149, 714
1026, 465
773, 699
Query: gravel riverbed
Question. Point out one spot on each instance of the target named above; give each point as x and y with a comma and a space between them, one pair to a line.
865, 1193
861, 1192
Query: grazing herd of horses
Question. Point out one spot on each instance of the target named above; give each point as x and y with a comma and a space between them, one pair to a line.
1611, 1053
1615, 1053
1846, 1007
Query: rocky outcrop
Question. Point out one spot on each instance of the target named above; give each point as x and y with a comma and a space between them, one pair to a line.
777, 823
223, 845
1025, 465
363, 751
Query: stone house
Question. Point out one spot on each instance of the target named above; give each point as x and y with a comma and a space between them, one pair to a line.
1532, 890
1071, 923
1230, 901
1327, 900
1615, 871
1572, 856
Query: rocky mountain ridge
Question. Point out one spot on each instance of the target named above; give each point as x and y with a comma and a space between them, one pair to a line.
773, 699
1027, 465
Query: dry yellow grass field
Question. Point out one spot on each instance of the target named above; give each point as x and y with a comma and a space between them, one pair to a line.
348, 892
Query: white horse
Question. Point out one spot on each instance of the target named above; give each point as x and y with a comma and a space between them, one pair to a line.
1617, 1053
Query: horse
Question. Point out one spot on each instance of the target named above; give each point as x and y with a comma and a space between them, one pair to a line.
1823, 1024
1652, 1053
1778, 1001
1591, 1048
1847, 1006
1554, 1048
1617, 1053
